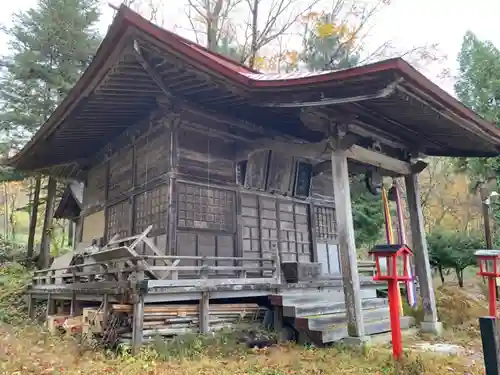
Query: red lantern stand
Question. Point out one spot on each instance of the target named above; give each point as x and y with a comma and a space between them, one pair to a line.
489, 267
396, 258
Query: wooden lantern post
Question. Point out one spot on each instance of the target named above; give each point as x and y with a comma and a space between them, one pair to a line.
396, 258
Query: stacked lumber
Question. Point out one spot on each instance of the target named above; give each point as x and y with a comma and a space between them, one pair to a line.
173, 320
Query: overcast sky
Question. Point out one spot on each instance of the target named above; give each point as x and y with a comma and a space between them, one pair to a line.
405, 22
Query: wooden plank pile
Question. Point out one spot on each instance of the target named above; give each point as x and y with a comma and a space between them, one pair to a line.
173, 320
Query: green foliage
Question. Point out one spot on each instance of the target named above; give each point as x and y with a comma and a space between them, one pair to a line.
14, 279
368, 217
478, 86
453, 250
11, 251
50, 45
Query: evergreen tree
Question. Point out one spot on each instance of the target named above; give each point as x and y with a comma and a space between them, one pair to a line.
326, 46
478, 86
50, 45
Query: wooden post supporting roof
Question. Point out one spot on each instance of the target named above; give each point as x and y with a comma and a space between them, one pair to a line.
347, 245
430, 323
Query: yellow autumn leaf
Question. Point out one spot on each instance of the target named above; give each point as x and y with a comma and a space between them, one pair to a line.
324, 30
291, 57
260, 62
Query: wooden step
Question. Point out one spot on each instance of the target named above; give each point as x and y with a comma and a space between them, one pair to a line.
325, 322
371, 328
331, 295
323, 307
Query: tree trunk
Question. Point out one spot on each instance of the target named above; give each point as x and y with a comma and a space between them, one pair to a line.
6, 209
45, 242
460, 277
33, 218
441, 274
254, 39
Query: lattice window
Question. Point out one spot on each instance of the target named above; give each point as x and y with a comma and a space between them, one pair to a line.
151, 209
205, 207
118, 221
326, 228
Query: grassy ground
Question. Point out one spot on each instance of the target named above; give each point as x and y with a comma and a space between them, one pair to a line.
30, 351
25, 348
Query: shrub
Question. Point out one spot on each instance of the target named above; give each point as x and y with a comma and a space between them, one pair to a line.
453, 250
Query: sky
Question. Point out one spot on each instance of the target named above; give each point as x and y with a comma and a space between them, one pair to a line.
407, 23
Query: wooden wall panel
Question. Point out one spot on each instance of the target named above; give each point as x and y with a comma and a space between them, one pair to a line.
152, 156
294, 232
94, 193
281, 168
93, 227
268, 221
205, 158
120, 180
205, 244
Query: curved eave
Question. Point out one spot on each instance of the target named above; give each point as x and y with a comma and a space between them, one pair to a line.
128, 24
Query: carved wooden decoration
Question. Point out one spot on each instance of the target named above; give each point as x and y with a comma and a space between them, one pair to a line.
205, 207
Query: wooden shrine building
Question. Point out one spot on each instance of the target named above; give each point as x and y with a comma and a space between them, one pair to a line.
223, 163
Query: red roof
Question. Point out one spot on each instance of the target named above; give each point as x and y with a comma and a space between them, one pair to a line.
240, 73
128, 23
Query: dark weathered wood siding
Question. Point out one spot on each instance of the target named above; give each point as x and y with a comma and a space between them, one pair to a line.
179, 174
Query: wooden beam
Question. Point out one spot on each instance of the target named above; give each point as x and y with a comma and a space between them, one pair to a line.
370, 157
319, 151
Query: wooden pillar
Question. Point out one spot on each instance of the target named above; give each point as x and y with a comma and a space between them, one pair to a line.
347, 245
204, 317
172, 189
137, 325
31, 306
430, 323
47, 224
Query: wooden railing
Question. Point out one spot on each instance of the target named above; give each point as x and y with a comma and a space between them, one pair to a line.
139, 267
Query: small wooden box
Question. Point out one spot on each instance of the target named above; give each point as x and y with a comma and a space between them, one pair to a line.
93, 320
295, 272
